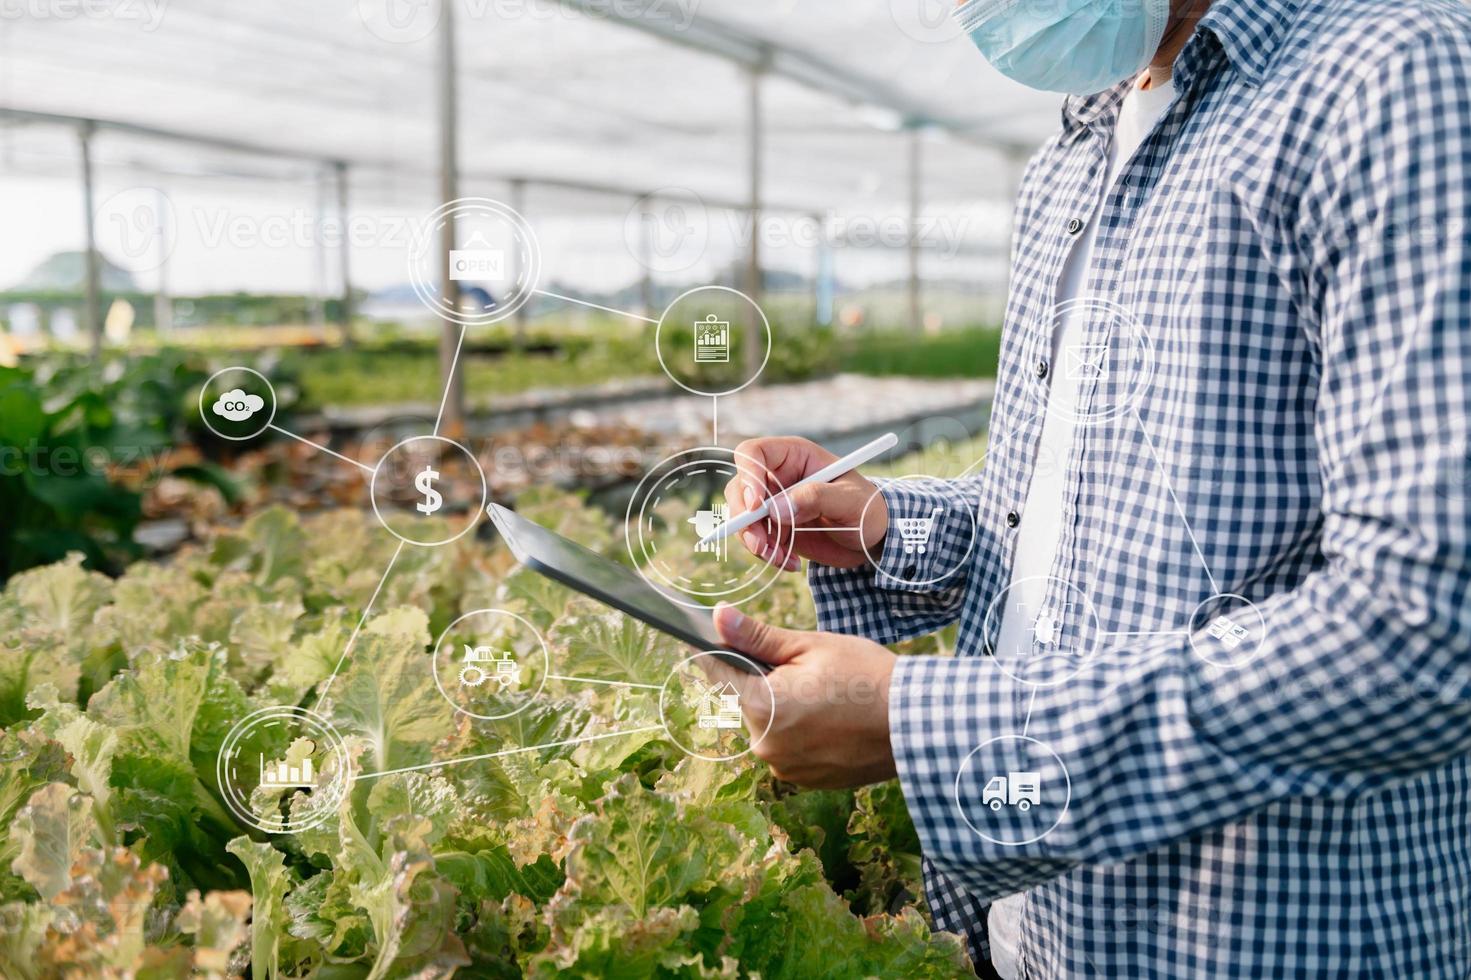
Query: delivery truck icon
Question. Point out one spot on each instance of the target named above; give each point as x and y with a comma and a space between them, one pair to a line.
1019, 789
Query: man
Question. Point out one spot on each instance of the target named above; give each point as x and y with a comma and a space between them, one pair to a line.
1210, 712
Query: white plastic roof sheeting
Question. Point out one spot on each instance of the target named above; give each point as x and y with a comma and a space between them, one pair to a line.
630, 95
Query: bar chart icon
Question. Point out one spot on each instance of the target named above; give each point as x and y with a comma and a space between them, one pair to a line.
282, 775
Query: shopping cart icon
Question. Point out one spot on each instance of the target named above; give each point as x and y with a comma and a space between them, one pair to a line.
914, 532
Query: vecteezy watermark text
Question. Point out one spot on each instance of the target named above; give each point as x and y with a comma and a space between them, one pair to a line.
148, 14
412, 21
36, 459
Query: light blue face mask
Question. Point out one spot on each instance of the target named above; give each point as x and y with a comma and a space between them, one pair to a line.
1074, 46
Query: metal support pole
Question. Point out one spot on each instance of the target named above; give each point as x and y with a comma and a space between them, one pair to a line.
916, 299
518, 204
344, 251
92, 272
646, 259
822, 277
756, 347
318, 302
163, 305
453, 417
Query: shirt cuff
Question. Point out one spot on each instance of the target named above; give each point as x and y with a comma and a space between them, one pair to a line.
929, 541
954, 727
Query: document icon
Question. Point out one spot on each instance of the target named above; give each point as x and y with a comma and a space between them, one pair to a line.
1085, 362
712, 340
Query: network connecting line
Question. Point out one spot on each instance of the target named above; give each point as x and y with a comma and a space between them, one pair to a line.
1215, 589
367, 611
1224, 630
448, 381
597, 680
482, 661
1031, 703
505, 752
1144, 633
594, 306
318, 446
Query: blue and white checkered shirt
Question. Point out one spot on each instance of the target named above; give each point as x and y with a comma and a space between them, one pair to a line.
1277, 433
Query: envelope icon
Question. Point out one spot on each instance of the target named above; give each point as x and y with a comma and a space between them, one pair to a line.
1085, 362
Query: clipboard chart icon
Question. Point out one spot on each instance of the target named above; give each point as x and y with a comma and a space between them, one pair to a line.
712, 340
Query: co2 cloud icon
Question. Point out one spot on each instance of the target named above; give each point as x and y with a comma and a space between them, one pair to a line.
237, 406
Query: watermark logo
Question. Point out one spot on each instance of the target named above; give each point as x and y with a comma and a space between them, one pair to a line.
927, 21
401, 21
943, 236
138, 224
667, 230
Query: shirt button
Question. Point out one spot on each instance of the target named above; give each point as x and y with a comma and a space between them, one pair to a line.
1042, 368
1075, 226
1013, 519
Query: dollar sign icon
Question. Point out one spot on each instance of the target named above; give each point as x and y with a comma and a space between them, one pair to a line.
424, 483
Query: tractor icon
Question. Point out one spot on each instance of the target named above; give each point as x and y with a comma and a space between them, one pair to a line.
482, 664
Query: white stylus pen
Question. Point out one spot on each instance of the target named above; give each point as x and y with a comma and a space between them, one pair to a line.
828, 473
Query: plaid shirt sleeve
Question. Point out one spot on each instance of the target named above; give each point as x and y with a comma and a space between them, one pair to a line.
1160, 745
908, 591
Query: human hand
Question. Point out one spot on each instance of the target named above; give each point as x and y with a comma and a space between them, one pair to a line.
850, 503
829, 722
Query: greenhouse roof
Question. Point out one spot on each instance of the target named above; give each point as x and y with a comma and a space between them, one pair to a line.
579, 96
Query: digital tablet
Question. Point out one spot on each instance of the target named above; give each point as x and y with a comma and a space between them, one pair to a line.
612, 584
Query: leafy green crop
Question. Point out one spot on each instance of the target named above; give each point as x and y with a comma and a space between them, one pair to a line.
619, 857
78, 438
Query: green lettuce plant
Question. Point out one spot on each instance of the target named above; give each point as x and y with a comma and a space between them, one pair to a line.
620, 857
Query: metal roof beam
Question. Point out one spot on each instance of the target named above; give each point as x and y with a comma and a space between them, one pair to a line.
27, 116
710, 35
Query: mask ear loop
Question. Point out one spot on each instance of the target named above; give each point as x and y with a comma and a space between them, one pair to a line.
974, 13
1156, 23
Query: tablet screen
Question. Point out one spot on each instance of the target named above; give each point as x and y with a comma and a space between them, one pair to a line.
605, 580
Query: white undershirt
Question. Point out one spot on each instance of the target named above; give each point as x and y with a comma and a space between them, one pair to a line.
1041, 526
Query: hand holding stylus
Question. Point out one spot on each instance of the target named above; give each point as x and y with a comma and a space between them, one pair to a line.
844, 516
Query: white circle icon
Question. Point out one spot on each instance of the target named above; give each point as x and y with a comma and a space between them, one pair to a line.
920, 535
491, 664
703, 702
674, 510
423, 480
282, 769
1105, 360
1228, 630
1049, 637
495, 263
237, 403
1012, 790
704, 337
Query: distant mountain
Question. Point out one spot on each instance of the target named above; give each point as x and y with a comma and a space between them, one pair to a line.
66, 272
